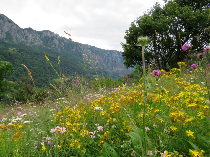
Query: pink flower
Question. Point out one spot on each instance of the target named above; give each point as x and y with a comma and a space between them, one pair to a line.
156, 72
63, 129
207, 49
53, 130
100, 128
149, 153
185, 47
194, 66
146, 128
200, 55
59, 129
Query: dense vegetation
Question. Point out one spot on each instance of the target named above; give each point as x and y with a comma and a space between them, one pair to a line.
105, 121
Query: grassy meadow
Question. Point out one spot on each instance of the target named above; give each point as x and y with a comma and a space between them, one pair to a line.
163, 114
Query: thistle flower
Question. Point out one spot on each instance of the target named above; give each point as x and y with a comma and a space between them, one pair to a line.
185, 47
156, 72
194, 66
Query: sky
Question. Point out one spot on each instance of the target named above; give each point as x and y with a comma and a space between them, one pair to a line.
99, 23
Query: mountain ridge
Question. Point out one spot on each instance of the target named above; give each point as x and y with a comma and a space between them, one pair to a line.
108, 61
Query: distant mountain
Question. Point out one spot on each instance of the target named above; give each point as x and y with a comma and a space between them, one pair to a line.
27, 46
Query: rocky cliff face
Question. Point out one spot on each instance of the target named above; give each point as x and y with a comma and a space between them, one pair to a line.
108, 60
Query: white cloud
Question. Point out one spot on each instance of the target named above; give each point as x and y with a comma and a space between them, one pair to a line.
100, 23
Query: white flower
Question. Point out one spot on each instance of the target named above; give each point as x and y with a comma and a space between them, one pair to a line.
27, 122
23, 115
99, 108
17, 119
203, 83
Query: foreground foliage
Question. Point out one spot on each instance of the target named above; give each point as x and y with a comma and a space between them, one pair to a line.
111, 123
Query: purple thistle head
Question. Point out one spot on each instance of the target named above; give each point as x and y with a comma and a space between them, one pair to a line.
194, 66
185, 47
156, 72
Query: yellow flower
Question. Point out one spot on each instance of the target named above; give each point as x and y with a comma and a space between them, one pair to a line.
79, 146
173, 128
194, 152
68, 123
84, 150
201, 114
43, 148
59, 147
189, 133
161, 120
181, 63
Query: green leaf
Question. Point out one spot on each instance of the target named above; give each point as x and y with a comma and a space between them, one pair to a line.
194, 146
203, 143
138, 133
109, 151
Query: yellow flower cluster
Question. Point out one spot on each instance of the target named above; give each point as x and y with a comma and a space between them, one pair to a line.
181, 63
177, 110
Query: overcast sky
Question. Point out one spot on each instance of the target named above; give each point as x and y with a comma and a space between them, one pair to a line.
100, 23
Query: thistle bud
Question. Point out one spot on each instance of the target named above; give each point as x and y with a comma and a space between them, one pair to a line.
142, 41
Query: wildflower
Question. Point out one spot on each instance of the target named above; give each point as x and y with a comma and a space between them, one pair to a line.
173, 128
165, 154
189, 133
27, 122
185, 47
200, 55
154, 125
43, 148
59, 147
207, 49
194, 152
63, 129
149, 153
146, 128
156, 72
53, 130
181, 63
58, 129
194, 66
100, 128
99, 108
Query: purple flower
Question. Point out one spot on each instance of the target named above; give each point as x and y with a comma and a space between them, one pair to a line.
156, 72
194, 66
185, 47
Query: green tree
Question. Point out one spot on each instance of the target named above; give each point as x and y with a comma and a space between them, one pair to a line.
169, 27
5, 70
